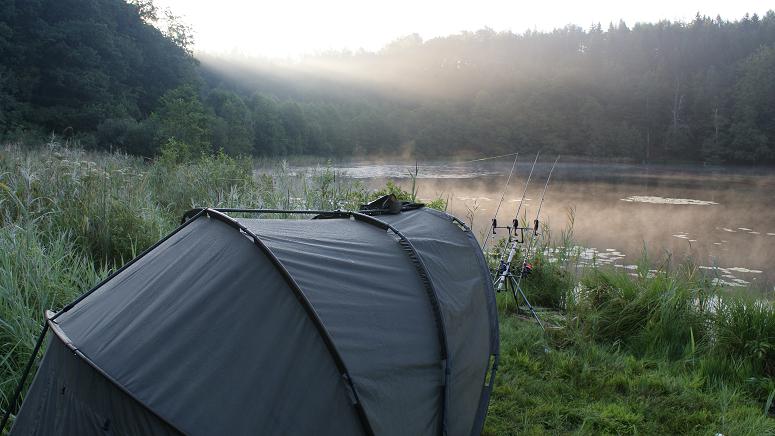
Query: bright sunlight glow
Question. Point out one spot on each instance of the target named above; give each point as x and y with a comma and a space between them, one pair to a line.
294, 27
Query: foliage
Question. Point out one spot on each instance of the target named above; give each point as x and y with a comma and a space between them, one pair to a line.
671, 312
68, 66
745, 331
205, 181
182, 118
651, 351
232, 127
392, 189
37, 273
105, 76
665, 91
438, 204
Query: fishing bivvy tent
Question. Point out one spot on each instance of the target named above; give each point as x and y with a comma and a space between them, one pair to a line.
345, 324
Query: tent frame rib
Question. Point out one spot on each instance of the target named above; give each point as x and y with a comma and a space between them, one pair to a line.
193, 212
413, 257
495, 342
127, 265
308, 308
430, 290
188, 219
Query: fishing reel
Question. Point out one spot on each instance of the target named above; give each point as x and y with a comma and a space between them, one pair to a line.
514, 225
526, 269
500, 282
500, 285
514, 230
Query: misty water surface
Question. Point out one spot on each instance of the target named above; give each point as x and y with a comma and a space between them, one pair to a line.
722, 217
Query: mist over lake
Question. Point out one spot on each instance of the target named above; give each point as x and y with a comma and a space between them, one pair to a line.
720, 217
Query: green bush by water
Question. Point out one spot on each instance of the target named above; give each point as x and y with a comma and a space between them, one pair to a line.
673, 312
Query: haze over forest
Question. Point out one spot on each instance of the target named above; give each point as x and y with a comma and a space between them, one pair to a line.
104, 74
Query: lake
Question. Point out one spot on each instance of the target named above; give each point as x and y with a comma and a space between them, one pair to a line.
722, 217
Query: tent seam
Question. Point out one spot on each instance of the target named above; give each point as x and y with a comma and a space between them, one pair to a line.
430, 291
481, 413
308, 308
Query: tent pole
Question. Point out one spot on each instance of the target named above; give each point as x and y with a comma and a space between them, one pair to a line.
306, 305
126, 265
20, 386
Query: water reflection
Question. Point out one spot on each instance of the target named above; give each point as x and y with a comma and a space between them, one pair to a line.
663, 200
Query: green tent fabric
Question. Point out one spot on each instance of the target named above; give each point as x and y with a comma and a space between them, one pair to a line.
346, 324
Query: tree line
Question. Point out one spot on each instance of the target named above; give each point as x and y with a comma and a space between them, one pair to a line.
118, 74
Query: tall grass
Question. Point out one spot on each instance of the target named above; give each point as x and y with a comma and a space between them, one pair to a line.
677, 315
581, 386
36, 274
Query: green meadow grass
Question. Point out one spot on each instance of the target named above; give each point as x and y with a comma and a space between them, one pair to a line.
662, 352
658, 353
565, 383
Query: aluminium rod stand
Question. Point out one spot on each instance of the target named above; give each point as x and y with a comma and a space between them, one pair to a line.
508, 281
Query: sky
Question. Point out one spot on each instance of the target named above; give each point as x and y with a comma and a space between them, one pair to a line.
291, 28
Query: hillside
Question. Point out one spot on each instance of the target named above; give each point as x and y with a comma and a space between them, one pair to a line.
76, 68
103, 73
666, 91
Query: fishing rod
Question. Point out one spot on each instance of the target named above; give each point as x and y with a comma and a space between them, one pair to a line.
514, 230
505, 273
503, 195
487, 158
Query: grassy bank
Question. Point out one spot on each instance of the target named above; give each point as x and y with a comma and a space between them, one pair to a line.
662, 352
584, 387
650, 351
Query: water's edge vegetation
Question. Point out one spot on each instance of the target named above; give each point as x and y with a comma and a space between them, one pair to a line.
663, 351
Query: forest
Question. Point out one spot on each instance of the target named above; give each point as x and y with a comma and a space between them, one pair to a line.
111, 74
